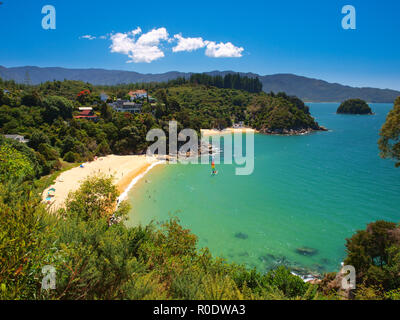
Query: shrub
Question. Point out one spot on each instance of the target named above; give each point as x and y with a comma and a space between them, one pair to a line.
71, 157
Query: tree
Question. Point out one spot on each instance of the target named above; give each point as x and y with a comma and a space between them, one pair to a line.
71, 157
96, 198
389, 142
48, 152
37, 138
375, 254
173, 105
56, 106
103, 148
31, 99
23, 249
161, 96
14, 165
106, 112
83, 96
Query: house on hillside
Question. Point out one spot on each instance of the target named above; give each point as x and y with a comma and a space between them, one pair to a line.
138, 94
126, 106
87, 113
132, 95
16, 137
85, 108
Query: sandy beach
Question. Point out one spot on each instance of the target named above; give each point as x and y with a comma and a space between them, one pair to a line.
124, 169
210, 132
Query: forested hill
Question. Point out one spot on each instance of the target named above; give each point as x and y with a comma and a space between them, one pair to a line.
307, 89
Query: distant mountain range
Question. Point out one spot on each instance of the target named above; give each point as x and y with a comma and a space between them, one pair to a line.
307, 89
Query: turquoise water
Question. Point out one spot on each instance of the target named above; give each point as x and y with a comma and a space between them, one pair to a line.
306, 191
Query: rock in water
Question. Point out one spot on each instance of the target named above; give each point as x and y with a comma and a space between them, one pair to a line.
241, 235
306, 251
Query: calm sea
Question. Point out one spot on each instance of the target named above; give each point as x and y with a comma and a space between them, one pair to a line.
310, 191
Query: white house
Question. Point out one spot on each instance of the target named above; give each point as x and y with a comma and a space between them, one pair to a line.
126, 106
16, 137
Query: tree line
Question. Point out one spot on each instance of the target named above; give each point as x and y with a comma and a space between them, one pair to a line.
229, 81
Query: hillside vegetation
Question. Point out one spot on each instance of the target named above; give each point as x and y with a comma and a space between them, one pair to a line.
94, 257
354, 106
44, 114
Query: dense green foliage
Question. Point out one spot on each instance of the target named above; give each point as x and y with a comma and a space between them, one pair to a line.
14, 164
229, 81
203, 107
375, 254
389, 142
280, 114
44, 114
47, 122
354, 106
18, 162
95, 259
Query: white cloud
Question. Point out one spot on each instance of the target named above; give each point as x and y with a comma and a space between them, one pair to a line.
88, 37
138, 30
144, 49
188, 44
223, 50
213, 49
153, 37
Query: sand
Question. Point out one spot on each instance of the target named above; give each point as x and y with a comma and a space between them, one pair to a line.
124, 169
209, 132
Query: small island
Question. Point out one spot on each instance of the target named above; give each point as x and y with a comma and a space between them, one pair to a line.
354, 106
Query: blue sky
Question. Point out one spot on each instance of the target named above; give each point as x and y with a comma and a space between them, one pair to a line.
264, 37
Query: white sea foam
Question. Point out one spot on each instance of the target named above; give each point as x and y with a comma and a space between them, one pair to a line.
124, 195
305, 278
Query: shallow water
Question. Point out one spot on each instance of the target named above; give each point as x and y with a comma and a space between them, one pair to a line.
309, 191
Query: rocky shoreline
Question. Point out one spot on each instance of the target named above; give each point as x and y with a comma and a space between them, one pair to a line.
291, 132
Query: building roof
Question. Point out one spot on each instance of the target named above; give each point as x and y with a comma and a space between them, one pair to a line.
132, 93
86, 113
133, 104
85, 117
13, 136
16, 137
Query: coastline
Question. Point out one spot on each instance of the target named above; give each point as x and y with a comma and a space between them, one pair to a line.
134, 179
280, 132
210, 132
292, 132
126, 171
